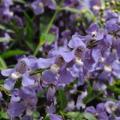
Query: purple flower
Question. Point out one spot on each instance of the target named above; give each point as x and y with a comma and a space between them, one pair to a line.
95, 6
38, 5
45, 63
64, 77
49, 77
23, 99
63, 52
77, 71
50, 4
15, 95
110, 69
77, 41
73, 3
51, 109
55, 117
7, 3
1, 96
112, 21
110, 107
51, 93
79, 103
23, 67
27, 117
99, 112
15, 109
99, 85
28, 80
5, 8
108, 14
9, 84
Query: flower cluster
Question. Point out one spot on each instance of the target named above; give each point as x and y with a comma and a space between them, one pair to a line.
76, 72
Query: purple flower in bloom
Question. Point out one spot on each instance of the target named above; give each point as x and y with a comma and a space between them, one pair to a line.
99, 112
51, 93
23, 67
79, 103
63, 77
94, 36
110, 107
38, 5
63, 52
27, 117
80, 61
112, 21
15, 109
95, 6
5, 8
45, 63
55, 117
49, 77
22, 100
110, 67
77, 41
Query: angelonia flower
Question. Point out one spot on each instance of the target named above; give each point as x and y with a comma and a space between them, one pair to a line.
38, 6
82, 61
82, 57
5, 9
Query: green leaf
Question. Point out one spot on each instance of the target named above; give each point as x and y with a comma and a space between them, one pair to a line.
115, 87
40, 94
1, 81
2, 27
91, 95
12, 53
61, 99
3, 39
46, 117
89, 116
2, 64
30, 45
75, 116
36, 115
3, 115
42, 27
47, 38
20, 1
102, 4
28, 30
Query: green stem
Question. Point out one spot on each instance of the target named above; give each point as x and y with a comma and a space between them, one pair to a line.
47, 30
2, 89
49, 26
36, 72
51, 22
76, 11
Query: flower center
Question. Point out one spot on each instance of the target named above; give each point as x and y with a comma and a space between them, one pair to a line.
108, 68
15, 75
55, 68
41, 5
79, 61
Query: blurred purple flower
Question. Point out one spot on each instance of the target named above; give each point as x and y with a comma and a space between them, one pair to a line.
99, 112
38, 5
55, 117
